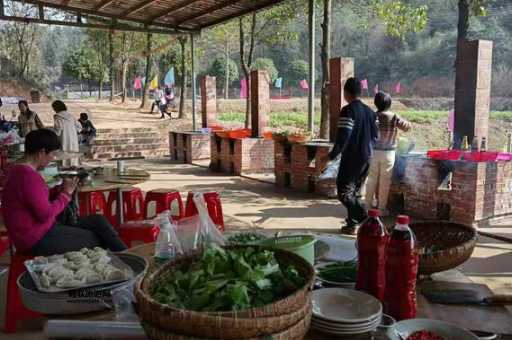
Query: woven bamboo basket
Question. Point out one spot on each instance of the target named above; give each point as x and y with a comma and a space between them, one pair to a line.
268, 319
444, 245
295, 332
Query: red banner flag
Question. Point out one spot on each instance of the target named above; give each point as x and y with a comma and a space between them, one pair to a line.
364, 84
398, 88
304, 84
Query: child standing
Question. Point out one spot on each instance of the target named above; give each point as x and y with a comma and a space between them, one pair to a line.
383, 160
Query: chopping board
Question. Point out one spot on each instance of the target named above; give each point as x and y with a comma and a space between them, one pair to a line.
493, 319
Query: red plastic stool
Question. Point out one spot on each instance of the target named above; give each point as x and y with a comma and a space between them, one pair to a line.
92, 202
213, 204
132, 199
144, 231
163, 199
14, 309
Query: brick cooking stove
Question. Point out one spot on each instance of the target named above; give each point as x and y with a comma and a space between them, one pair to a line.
247, 155
190, 146
299, 164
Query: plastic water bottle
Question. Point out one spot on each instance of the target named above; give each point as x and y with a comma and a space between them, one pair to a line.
165, 250
372, 240
402, 261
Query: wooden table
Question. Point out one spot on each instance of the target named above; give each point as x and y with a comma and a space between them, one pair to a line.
490, 319
110, 180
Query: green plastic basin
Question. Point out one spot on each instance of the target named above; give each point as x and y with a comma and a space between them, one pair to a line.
303, 245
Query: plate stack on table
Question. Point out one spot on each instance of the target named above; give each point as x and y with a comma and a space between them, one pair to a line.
340, 311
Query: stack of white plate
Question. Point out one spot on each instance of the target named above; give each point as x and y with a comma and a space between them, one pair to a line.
340, 311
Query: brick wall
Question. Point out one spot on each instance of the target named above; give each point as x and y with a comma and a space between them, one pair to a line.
480, 191
187, 147
241, 156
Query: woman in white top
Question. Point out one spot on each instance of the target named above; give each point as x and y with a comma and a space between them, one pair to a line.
67, 128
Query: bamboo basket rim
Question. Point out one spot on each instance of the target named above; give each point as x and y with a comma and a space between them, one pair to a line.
144, 284
468, 242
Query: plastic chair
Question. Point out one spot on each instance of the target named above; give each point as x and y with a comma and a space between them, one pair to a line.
133, 205
14, 309
92, 202
213, 204
163, 199
143, 231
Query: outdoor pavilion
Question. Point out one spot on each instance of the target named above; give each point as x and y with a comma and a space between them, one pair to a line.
158, 16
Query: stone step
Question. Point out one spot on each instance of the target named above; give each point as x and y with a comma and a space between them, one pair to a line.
124, 141
144, 153
127, 130
126, 135
122, 148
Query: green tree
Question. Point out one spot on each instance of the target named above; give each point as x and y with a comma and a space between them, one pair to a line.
266, 27
218, 70
298, 70
266, 64
79, 65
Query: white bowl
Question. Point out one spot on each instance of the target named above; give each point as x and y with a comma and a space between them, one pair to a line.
444, 329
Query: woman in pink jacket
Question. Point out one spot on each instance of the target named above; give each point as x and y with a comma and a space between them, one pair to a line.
30, 214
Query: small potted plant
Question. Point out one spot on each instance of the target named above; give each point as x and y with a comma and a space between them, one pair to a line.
280, 136
299, 137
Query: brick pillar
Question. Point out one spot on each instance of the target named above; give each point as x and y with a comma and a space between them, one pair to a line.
340, 70
208, 101
260, 102
473, 90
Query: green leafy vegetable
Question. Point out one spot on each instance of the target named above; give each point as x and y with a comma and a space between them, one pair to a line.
339, 272
225, 280
246, 238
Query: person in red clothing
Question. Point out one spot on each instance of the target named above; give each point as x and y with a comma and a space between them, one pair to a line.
30, 214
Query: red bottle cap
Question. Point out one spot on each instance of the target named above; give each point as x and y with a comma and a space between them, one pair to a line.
402, 219
374, 213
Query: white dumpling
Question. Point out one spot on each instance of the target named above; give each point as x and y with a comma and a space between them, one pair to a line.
93, 277
84, 251
72, 254
99, 258
45, 281
57, 259
114, 274
57, 272
68, 282
82, 273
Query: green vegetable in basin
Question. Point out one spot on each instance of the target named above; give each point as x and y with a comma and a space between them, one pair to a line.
246, 238
340, 272
227, 280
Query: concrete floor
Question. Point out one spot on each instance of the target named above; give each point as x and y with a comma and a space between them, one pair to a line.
247, 203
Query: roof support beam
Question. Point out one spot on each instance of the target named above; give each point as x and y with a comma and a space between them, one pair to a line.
261, 6
41, 12
208, 10
2, 7
66, 2
103, 4
117, 26
136, 8
76, 10
173, 9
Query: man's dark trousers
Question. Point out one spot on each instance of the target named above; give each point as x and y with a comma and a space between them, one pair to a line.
351, 177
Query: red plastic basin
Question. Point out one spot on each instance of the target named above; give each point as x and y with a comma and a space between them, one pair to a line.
444, 155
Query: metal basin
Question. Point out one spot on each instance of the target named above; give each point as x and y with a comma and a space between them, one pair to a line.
76, 301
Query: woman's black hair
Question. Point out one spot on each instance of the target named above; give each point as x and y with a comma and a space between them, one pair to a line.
29, 112
353, 86
41, 139
59, 106
84, 116
382, 101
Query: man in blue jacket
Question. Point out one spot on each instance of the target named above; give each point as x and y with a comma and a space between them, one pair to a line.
357, 131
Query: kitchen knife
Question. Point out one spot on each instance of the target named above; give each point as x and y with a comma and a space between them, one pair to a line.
465, 296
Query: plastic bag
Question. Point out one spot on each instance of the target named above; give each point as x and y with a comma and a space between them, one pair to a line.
331, 171
208, 232
123, 299
168, 236
188, 232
